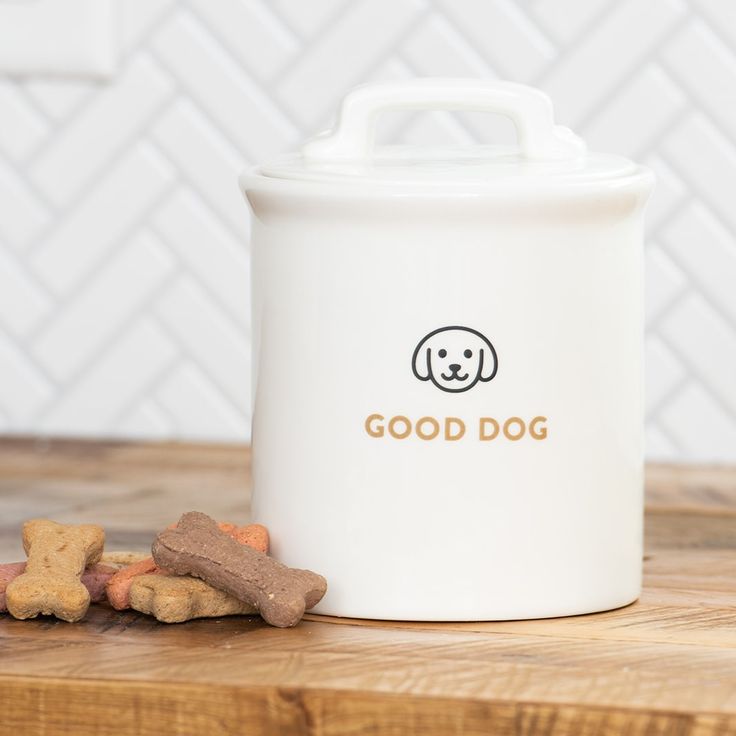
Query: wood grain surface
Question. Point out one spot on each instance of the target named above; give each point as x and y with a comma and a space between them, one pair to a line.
665, 665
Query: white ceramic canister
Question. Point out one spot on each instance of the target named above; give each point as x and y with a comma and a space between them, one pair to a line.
447, 364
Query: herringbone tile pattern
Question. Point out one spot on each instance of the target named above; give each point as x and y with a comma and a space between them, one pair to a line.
124, 259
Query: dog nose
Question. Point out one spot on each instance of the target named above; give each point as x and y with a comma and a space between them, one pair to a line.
454, 367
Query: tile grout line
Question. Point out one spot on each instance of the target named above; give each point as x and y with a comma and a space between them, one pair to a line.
647, 59
226, 311
680, 451
694, 280
107, 344
185, 179
723, 403
202, 110
103, 262
145, 393
139, 48
252, 77
696, 108
185, 352
326, 28
117, 155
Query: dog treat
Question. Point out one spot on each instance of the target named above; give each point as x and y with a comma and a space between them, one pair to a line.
95, 578
123, 558
118, 587
254, 535
8, 572
197, 547
51, 582
176, 598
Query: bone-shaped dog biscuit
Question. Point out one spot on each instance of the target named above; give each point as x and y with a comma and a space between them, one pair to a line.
57, 557
254, 535
122, 558
176, 598
118, 587
94, 578
8, 573
197, 547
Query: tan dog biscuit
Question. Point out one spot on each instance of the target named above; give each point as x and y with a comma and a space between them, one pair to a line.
197, 547
57, 557
94, 579
173, 599
118, 587
124, 558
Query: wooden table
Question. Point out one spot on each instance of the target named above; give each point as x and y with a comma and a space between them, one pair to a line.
665, 665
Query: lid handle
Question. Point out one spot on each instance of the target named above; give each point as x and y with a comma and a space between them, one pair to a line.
529, 109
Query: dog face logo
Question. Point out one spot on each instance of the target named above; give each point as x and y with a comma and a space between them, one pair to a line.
454, 359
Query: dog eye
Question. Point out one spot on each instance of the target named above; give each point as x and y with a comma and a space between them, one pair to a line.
468, 353
442, 353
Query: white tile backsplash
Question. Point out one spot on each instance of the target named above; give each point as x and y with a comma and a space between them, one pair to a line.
58, 38
124, 291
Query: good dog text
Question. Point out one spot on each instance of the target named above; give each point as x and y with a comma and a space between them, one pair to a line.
452, 429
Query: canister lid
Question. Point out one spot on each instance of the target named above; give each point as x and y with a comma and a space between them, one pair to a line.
546, 155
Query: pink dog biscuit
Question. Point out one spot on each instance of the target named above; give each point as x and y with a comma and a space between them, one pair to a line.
51, 582
118, 587
8, 573
95, 578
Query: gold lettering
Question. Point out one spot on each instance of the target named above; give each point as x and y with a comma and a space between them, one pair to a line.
435, 428
482, 435
460, 426
538, 434
372, 429
507, 428
392, 427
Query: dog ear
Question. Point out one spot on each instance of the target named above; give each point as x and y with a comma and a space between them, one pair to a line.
488, 361
420, 361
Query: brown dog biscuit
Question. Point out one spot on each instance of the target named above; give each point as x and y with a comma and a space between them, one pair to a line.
197, 547
94, 579
51, 583
118, 587
176, 598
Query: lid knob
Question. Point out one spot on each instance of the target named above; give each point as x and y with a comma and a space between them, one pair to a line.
529, 109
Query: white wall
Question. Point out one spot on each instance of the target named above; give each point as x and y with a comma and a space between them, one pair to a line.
123, 239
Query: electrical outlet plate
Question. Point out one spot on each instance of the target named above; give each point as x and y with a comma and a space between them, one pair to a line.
68, 38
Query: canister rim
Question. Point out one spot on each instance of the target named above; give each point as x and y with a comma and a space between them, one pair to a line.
457, 167
508, 175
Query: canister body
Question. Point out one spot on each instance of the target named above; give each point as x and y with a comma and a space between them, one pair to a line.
520, 497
